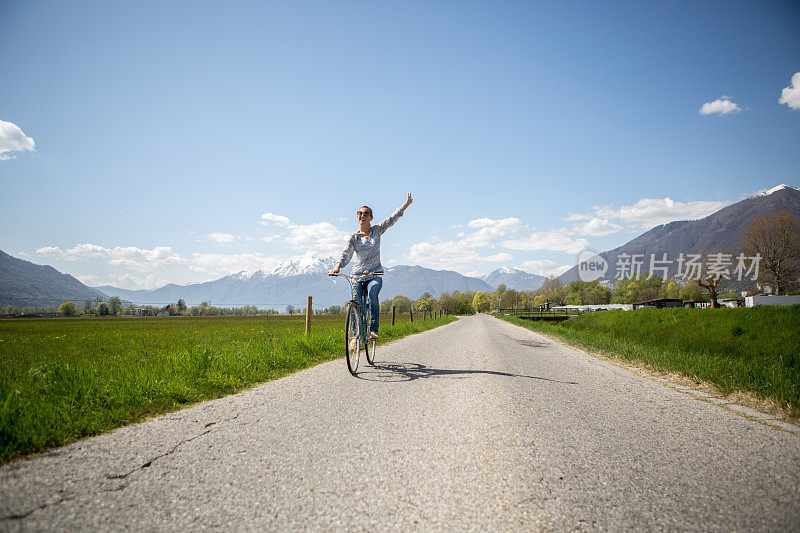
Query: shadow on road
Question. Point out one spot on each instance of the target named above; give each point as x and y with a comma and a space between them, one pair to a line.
411, 371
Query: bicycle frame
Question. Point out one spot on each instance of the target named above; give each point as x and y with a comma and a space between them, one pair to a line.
362, 303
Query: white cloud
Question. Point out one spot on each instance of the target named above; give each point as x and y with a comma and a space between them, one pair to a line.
12, 139
506, 223
544, 267
462, 253
217, 265
559, 240
720, 106
558, 270
537, 266
650, 212
498, 258
220, 237
321, 238
157, 259
491, 231
124, 281
597, 227
127, 256
577, 216
444, 254
791, 95
271, 218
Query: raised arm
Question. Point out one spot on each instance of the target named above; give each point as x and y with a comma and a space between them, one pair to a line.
394, 217
408, 202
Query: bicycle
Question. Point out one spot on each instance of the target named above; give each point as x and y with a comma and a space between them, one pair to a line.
356, 326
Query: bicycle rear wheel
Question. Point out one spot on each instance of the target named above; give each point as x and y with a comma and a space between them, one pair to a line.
369, 346
352, 337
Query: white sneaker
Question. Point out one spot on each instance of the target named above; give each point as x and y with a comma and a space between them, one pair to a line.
353, 345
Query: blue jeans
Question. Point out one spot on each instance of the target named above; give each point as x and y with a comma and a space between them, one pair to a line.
373, 287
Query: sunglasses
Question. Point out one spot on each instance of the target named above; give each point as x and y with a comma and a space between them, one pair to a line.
363, 213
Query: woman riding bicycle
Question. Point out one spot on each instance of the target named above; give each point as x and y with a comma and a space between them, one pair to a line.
366, 243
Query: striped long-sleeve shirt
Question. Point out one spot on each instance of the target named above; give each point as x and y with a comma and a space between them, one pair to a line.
368, 248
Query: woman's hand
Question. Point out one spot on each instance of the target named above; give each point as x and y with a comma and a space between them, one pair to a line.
408, 202
334, 270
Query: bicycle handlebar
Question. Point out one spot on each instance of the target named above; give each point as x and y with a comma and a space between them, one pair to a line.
354, 278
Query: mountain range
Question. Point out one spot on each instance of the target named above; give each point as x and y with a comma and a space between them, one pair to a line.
718, 232
286, 285
23, 283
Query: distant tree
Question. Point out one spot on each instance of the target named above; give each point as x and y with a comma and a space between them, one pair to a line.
425, 303
500, 290
776, 239
114, 305
68, 309
670, 289
481, 302
402, 304
509, 298
290, 309
549, 291
103, 309
181, 306
87, 307
449, 303
587, 293
465, 299
691, 292
638, 288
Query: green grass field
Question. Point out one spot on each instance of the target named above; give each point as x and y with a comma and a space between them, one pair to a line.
65, 379
754, 350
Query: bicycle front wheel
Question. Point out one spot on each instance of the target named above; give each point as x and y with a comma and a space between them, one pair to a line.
352, 337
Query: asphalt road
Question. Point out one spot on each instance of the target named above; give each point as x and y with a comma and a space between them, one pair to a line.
476, 425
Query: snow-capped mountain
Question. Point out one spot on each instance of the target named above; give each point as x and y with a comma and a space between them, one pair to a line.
513, 278
291, 282
304, 265
775, 189
296, 266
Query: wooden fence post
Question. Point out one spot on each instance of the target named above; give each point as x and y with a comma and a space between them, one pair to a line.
412, 314
393, 315
308, 316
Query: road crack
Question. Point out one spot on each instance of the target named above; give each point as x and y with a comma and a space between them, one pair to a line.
150, 462
20, 516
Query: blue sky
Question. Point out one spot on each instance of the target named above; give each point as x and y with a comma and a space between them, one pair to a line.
151, 142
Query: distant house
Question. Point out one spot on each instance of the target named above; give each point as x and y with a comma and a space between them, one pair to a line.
696, 304
659, 303
731, 302
753, 301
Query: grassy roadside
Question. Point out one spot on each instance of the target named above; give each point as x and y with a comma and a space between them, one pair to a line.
63, 380
753, 352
